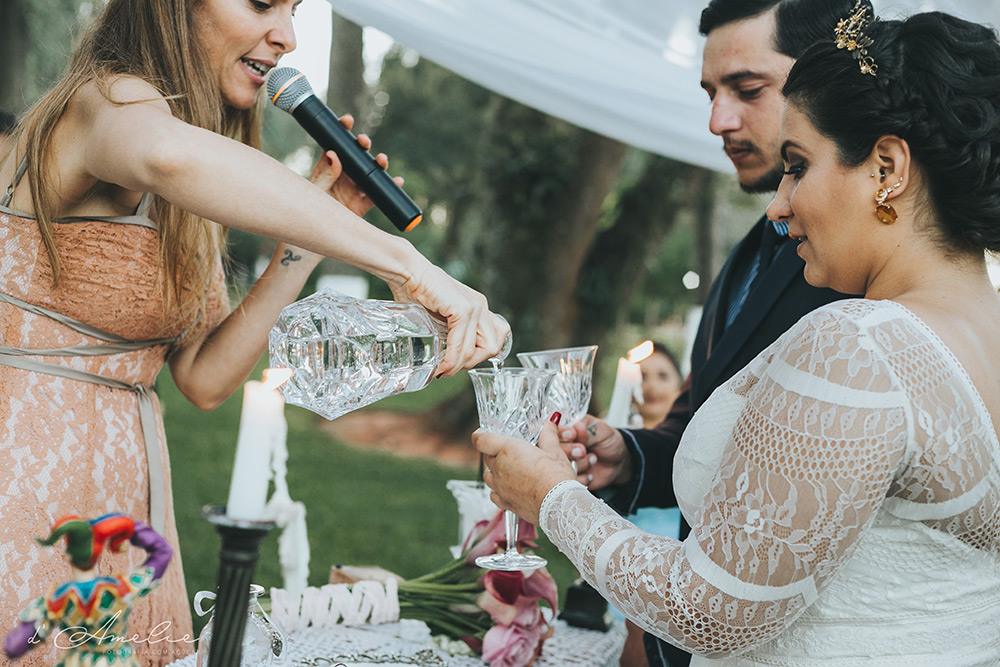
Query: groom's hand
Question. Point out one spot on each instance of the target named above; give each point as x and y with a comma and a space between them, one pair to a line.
599, 452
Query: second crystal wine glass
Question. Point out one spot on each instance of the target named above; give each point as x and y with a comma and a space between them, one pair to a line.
570, 390
511, 401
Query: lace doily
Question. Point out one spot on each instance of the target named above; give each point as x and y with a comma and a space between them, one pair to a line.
392, 644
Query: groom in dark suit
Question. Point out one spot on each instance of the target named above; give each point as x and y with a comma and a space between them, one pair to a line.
760, 292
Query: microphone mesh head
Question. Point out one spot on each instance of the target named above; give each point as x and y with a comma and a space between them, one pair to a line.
286, 87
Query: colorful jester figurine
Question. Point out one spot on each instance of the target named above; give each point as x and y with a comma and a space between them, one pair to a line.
91, 612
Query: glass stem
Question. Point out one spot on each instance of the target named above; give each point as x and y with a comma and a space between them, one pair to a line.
510, 528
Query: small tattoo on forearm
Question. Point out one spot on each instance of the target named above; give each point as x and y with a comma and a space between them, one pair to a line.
289, 258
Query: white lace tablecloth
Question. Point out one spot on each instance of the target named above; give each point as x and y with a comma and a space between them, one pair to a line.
386, 644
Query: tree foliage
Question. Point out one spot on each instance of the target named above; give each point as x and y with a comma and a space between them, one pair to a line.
557, 225
347, 89
36, 40
433, 125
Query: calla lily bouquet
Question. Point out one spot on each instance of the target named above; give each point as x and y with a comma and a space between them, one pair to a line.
496, 614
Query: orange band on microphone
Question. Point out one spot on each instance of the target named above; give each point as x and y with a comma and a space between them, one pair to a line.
274, 100
416, 221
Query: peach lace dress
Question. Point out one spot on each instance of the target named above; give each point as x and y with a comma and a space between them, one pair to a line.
80, 425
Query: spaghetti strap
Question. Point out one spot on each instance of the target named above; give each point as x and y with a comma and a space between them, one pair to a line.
18, 175
142, 210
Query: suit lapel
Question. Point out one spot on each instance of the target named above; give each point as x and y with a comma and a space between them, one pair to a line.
713, 320
785, 267
712, 317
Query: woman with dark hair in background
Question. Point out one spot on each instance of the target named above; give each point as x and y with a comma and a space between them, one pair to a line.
661, 384
843, 488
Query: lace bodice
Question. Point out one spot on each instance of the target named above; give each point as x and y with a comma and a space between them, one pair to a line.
845, 495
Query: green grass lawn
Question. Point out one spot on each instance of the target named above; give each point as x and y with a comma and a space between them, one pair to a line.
364, 507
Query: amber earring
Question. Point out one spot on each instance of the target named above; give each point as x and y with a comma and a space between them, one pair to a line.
885, 212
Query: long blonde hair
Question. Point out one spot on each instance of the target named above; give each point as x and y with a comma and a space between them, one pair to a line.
154, 40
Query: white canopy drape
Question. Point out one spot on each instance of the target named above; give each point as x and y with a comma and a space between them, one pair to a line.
628, 69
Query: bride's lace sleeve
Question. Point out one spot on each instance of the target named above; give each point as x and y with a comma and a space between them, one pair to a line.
820, 429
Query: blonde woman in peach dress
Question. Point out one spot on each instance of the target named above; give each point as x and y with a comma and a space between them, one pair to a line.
121, 182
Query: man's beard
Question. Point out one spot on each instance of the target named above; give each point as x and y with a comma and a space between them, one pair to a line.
769, 182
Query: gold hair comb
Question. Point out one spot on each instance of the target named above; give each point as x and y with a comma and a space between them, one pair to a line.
850, 36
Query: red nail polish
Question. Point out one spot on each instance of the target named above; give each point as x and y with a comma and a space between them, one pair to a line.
439, 376
556, 416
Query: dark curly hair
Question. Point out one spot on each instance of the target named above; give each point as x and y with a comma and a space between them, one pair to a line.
938, 88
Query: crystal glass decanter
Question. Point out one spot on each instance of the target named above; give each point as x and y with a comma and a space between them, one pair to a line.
346, 353
264, 643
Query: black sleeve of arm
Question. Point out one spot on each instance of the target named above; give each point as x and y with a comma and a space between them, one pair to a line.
652, 452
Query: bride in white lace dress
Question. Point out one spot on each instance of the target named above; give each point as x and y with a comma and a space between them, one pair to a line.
843, 488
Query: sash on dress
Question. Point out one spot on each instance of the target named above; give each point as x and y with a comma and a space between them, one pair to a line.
17, 358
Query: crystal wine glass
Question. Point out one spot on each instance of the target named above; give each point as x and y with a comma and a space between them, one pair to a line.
511, 402
569, 393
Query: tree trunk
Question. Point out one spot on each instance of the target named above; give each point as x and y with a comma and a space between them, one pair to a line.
470, 213
546, 189
574, 222
347, 91
546, 203
617, 262
14, 47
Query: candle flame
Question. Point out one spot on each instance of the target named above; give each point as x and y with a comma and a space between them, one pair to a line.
640, 351
275, 377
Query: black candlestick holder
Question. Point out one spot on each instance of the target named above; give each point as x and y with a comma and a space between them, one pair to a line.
585, 608
238, 557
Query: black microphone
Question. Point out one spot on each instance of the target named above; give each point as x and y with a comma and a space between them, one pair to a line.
289, 90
